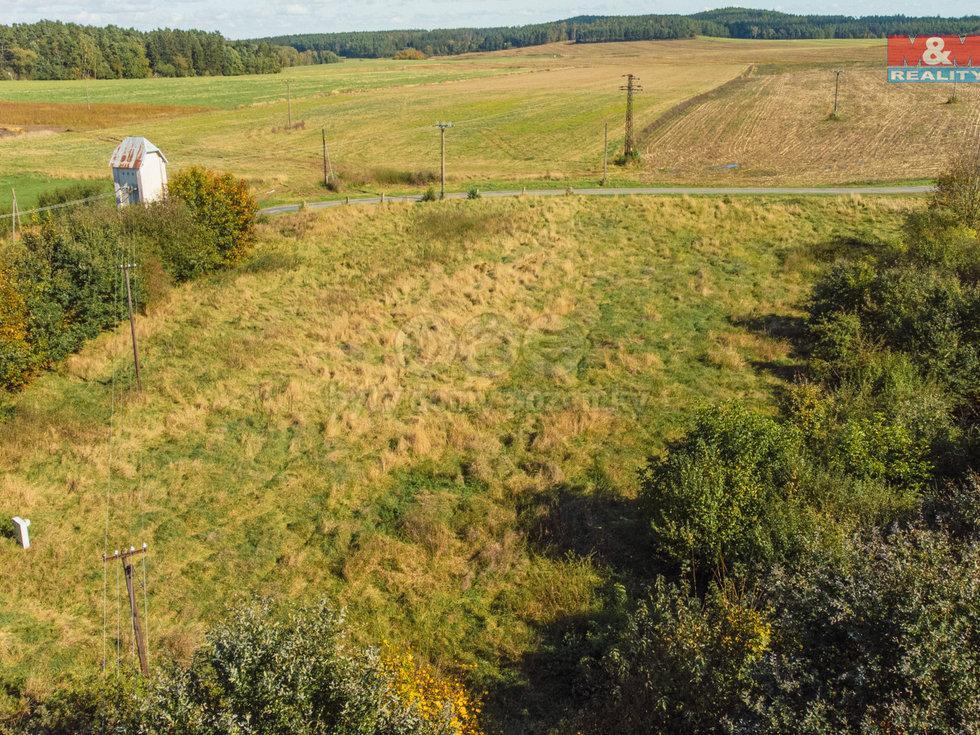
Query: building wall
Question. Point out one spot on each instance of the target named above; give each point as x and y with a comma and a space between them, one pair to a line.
148, 183
153, 178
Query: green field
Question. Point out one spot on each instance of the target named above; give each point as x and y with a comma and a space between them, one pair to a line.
400, 408
355, 75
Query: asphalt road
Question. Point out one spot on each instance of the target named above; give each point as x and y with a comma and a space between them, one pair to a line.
710, 191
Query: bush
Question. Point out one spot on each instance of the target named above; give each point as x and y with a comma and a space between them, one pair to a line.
727, 492
16, 361
473, 193
881, 640
299, 673
67, 273
925, 312
168, 231
429, 195
872, 449
73, 193
958, 189
679, 663
222, 205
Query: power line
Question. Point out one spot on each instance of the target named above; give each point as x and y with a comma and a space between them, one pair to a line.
57, 206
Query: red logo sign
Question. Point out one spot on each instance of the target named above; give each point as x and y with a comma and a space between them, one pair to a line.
935, 51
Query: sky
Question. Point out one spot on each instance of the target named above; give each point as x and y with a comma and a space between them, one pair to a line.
237, 19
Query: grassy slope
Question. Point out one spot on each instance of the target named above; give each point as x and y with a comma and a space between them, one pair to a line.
408, 409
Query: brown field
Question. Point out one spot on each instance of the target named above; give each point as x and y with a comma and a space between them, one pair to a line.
81, 116
776, 126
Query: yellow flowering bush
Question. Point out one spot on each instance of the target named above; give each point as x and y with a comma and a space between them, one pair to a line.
442, 701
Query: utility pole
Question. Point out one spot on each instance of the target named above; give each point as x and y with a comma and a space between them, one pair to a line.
838, 72
289, 102
14, 215
605, 155
954, 88
132, 325
133, 607
442, 129
323, 131
631, 87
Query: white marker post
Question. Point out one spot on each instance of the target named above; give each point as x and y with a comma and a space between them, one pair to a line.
25, 538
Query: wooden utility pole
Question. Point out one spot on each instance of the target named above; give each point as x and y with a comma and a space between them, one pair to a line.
631, 88
326, 158
838, 72
289, 102
133, 607
14, 215
442, 129
605, 155
132, 325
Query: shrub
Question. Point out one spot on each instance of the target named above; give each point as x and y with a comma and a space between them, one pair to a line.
473, 193
168, 231
15, 350
429, 195
726, 492
222, 205
925, 312
67, 271
73, 193
882, 640
876, 450
679, 663
299, 673
958, 189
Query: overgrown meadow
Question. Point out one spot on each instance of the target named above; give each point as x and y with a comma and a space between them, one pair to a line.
435, 415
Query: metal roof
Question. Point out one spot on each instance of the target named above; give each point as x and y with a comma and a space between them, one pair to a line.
131, 152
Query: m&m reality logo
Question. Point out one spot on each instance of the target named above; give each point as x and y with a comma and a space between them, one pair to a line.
934, 58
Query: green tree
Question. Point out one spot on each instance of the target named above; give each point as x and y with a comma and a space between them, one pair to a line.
221, 204
727, 492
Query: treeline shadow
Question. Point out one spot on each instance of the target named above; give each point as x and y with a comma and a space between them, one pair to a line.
546, 689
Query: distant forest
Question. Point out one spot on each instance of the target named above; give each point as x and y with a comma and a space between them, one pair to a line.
726, 23
55, 50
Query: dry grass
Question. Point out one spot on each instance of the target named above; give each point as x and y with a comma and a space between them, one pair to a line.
776, 128
291, 442
79, 116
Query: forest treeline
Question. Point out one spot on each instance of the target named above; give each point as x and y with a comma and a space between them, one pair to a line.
55, 50
725, 23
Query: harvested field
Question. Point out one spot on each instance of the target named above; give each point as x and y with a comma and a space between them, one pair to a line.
777, 128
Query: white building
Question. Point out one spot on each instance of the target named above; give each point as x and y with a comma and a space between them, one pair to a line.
139, 171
